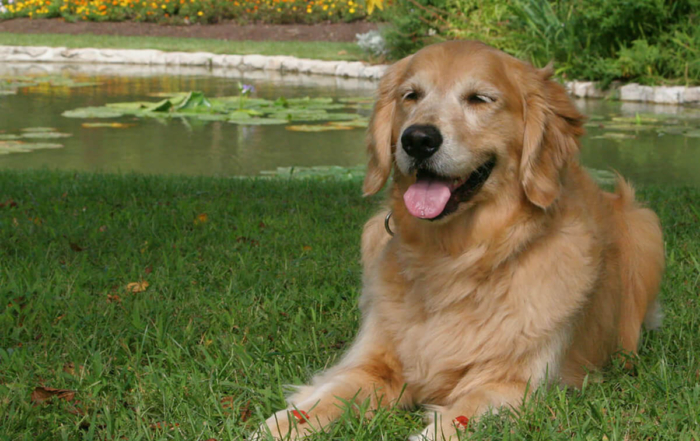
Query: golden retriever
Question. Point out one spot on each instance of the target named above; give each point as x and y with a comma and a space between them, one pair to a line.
508, 266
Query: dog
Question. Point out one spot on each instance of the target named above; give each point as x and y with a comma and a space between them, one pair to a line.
503, 266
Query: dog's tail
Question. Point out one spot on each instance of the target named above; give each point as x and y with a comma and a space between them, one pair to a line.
641, 246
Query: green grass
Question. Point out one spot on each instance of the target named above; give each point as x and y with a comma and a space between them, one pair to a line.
261, 294
312, 49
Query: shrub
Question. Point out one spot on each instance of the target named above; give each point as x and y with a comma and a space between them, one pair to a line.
642, 40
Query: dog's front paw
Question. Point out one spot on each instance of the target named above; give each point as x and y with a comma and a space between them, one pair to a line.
287, 424
441, 430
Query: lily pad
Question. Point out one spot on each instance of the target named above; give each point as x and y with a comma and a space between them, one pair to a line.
46, 135
360, 122
307, 100
38, 129
7, 147
671, 130
214, 116
93, 112
357, 100
615, 136
629, 127
258, 121
639, 119
114, 125
192, 100
317, 128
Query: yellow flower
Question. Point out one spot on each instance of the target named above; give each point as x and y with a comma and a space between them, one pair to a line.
371, 4
352, 10
163, 6
200, 13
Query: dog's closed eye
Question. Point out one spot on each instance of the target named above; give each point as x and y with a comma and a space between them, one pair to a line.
477, 98
411, 95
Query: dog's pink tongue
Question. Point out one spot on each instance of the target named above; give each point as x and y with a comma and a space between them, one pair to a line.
427, 198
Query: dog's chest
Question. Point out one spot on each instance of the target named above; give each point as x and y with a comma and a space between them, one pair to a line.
437, 349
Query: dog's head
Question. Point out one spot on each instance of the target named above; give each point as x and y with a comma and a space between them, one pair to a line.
462, 122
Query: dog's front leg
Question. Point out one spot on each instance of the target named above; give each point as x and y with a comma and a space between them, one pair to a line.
369, 371
446, 421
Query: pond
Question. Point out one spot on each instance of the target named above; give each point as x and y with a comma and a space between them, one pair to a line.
647, 143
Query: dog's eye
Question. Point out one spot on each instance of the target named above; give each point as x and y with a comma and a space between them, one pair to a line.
411, 95
475, 98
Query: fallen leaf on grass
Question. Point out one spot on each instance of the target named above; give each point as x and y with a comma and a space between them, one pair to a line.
46, 394
75, 247
102, 229
113, 298
10, 203
227, 402
164, 425
201, 218
136, 287
246, 413
69, 368
249, 241
148, 270
306, 248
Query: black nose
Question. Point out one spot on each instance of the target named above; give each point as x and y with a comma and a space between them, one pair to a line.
421, 141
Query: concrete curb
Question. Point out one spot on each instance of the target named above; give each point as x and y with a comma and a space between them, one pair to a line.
42, 54
636, 93
345, 69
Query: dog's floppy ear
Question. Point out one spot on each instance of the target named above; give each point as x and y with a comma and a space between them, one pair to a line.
552, 128
379, 134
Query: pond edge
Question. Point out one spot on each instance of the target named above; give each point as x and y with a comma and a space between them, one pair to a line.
348, 69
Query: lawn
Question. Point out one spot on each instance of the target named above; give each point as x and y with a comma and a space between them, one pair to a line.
176, 308
303, 49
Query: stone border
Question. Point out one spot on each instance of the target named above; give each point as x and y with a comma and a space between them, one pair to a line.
281, 63
636, 93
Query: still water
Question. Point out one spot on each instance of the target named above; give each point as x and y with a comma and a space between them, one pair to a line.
655, 144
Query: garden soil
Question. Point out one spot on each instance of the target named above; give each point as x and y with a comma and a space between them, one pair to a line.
339, 32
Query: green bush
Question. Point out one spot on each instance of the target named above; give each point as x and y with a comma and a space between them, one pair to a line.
648, 41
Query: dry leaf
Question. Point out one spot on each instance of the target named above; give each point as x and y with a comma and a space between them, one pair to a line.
45, 394
164, 425
307, 248
113, 298
227, 402
201, 218
75, 247
103, 228
135, 287
246, 413
10, 203
149, 269
69, 368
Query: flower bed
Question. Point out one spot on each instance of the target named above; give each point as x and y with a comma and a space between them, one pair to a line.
191, 11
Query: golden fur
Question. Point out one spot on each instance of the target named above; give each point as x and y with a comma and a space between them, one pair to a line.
541, 276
